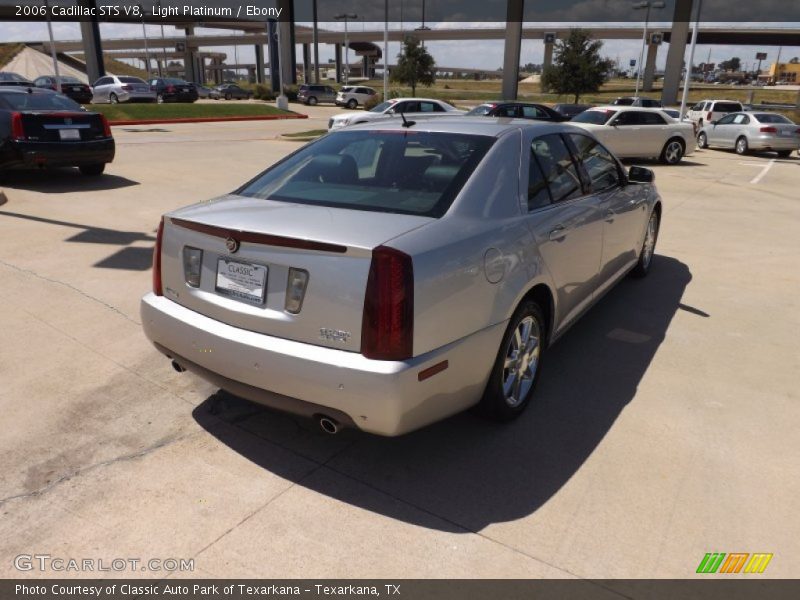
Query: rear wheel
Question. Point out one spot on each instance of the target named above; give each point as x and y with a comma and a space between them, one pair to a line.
784, 153
113, 98
672, 152
312, 101
352, 103
742, 146
642, 267
92, 170
227, 96
516, 368
702, 140
160, 99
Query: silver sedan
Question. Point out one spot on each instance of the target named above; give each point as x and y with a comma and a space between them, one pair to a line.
387, 276
745, 131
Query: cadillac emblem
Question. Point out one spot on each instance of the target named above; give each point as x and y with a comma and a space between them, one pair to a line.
232, 245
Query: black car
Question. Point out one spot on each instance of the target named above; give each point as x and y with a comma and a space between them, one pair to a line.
231, 90
517, 110
169, 89
72, 87
571, 110
40, 128
7, 78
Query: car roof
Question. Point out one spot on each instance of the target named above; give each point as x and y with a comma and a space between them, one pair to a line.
487, 126
626, 108
24, 89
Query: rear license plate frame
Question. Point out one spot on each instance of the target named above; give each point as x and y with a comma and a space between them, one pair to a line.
236, 283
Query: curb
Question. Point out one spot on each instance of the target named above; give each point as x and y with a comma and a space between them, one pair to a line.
204, 120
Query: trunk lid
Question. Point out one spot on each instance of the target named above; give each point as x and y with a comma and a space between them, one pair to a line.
50, 126
332, 245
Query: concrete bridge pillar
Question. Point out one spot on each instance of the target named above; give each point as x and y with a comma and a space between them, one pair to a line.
677, 49
337, 53
259, 49
92, 48
514, 16
650, 68
307, 75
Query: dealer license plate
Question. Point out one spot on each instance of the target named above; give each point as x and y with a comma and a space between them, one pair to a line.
69, 134
241, 281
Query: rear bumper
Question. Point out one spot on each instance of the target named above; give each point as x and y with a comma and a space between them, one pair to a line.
773, 143
59, 154
179, 97
381, 397
123, 96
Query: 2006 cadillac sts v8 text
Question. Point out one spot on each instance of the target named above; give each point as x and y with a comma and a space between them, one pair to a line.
391, 274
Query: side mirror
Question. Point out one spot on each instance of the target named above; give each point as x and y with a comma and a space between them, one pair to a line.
641, 175
714, 123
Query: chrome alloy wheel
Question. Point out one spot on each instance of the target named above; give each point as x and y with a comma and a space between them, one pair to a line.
649, 241
673, 152
521, 362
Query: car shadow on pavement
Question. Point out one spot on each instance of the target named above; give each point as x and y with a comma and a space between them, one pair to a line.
464, 473
62, 181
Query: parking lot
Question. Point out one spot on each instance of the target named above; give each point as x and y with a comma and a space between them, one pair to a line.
665, 425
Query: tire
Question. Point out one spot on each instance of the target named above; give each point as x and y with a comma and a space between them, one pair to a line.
741, 146
352, 103
645, 261
227, 96
92, 170
784, 153
312, 101
112, 98
160, 98
702, 140
673, 151
507, 394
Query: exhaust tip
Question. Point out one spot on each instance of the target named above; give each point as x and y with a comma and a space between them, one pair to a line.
329, 426
178, 367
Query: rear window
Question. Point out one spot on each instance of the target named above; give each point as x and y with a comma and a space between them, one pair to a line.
482, 110
624, 101
727, 107
594, 117
407, 172
40, 102
69, 80
130, 80
772, 118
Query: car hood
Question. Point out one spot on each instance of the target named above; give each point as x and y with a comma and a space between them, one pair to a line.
354, 228
350, 115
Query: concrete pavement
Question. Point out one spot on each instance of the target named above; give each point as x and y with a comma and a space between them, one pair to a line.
665, 425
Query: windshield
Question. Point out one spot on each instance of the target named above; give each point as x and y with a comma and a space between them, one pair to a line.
408, 172
594, 117
130, 80
772, 118
482, 110
40, 102
381, 107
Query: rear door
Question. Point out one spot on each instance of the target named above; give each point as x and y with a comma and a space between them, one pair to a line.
102, 87
566, 223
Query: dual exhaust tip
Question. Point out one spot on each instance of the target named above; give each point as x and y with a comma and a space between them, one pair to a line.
327, 424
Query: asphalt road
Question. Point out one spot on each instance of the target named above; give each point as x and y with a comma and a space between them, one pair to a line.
665, 425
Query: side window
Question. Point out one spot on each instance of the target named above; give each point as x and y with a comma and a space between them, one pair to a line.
407, 107
507, 111
559, 171
628, 117
538, 194
532, 112
651, 118
726, 120
426, 107
40, 81
698, 106
438, 108
741, 119
598, 162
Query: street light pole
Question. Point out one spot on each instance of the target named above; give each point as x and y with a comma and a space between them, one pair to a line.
163, 45
647, 5
687, 78
386, 50
52, 47
345, 17
146, 49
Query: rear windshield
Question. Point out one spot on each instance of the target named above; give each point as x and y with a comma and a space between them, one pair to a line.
624, 101
40, 102
407, 172
727, 107
66, 79
172, 81
772, 118
130, 80
482, 110
594, 117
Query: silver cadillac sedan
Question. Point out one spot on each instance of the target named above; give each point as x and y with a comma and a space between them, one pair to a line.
391, 274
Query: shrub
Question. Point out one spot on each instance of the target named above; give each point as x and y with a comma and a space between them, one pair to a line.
262, 92
291, 92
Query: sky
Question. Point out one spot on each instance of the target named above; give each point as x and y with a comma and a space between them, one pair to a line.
483, 54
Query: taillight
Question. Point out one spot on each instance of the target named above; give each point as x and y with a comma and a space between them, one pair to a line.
709, 115
387, 331
127, 87
158, 290
170, 88
106, 126
768, 130
17, 130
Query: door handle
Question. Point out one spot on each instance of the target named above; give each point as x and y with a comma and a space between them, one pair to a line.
559, 233
610, 214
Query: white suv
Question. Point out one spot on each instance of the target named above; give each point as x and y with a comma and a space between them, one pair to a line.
708, 111
351, 96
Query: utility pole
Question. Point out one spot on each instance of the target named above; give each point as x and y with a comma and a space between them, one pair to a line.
345, 17
687, 78
52, 46
146, 49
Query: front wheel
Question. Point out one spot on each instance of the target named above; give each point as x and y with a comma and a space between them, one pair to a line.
312, 101
227, 96
352, 103
517, 366
784, 153
672, 152
642, 267
702, 140
92, 170
160, 99
742, 146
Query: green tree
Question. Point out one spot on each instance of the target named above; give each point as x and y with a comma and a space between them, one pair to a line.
734, 64
577, 66
414, 66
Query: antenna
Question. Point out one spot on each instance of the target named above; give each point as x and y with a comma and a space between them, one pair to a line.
407, 123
